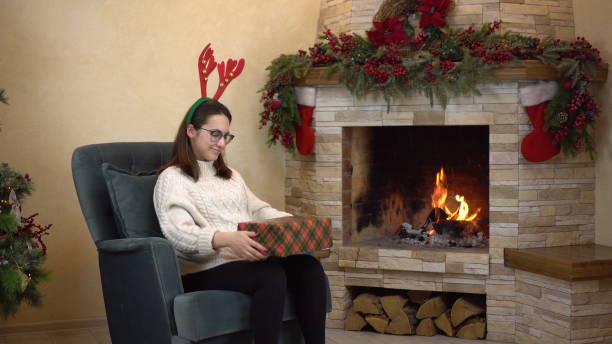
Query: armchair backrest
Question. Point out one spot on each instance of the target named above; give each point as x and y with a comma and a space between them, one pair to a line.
90, 184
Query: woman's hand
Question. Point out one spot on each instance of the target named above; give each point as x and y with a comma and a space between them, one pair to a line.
241, 243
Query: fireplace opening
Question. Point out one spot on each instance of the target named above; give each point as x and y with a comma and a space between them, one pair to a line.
423, 186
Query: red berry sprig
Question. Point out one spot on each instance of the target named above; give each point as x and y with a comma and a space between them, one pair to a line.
34, 231
318, 55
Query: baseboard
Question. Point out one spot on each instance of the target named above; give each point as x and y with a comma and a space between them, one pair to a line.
52, 325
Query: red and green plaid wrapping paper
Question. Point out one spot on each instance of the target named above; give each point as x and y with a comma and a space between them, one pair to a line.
285, 236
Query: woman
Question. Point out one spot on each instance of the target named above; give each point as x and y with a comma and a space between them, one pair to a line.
200, 201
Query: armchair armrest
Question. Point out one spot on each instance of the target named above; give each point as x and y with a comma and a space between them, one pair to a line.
140, 278
131, 244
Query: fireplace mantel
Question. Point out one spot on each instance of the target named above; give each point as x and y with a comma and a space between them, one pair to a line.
522, 70
533, 207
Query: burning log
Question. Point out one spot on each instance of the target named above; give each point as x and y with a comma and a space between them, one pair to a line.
438, 201
447, 224
437, 220
436, 215
455, 229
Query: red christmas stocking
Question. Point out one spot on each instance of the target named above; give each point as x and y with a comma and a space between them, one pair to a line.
538, 145
304, 134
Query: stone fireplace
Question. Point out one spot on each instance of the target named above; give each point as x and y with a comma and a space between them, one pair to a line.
374, 169
529, 205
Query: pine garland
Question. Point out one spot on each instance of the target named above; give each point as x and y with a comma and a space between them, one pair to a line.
440, 62
22, 251
278, 98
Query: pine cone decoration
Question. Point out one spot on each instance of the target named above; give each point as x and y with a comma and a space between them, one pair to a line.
285, 78
392, 8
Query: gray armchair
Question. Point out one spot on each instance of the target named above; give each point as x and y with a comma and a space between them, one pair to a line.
141, 282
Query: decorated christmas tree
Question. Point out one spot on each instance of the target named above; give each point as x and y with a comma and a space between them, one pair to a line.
22, 251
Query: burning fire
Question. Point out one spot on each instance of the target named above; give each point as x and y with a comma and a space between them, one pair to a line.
438, 201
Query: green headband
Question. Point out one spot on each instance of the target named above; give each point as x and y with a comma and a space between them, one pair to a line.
193, 108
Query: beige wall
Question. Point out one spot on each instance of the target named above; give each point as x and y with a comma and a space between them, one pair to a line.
594, 21
80, 72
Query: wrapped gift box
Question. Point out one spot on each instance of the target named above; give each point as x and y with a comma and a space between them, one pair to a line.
285, 236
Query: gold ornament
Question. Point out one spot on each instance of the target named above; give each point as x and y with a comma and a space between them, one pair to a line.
231, 75
562, 117
221, 85
15, 206
25, 280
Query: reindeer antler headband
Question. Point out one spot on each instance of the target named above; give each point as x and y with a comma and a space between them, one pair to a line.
227, 73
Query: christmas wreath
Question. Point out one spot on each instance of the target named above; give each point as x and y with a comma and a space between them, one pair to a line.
439, 61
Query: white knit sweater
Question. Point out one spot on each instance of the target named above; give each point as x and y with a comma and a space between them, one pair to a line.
190, 213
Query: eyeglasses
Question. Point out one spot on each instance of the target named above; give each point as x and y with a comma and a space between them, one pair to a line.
216, 135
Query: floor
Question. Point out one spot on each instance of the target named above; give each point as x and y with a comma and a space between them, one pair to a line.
99, 335
94, 335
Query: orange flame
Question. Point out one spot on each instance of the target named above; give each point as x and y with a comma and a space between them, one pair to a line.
438, 200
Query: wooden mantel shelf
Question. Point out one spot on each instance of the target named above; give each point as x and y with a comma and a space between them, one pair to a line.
570, 263
522, 70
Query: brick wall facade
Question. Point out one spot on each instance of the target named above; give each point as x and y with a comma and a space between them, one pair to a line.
538, 18
549, 310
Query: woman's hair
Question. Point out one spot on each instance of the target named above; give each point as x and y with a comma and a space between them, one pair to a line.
182, 154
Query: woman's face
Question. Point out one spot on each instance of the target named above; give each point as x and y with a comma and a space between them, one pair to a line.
203, 142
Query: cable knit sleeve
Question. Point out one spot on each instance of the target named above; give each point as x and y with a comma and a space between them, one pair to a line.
179, 219
258, 209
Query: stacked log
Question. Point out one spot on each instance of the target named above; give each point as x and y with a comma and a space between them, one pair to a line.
421, 313
386, 314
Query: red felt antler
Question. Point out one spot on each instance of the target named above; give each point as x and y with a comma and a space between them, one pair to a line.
234, 68
206, 64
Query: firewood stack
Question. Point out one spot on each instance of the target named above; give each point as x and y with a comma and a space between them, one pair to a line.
419, 312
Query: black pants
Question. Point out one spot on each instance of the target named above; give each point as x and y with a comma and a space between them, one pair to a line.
267, 281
